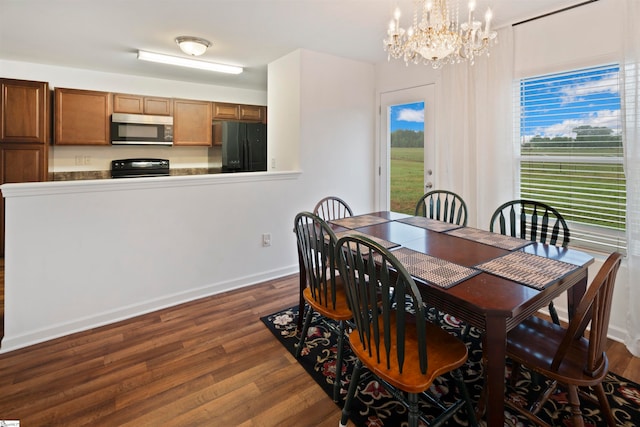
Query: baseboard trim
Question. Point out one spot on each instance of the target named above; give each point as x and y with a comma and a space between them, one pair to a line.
12, 343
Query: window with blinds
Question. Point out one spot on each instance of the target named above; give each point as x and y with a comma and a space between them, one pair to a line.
569, 135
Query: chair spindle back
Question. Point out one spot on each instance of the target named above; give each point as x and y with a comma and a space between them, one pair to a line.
442, 205
595, 309
332, 207
316, 243
531, 220
380, 294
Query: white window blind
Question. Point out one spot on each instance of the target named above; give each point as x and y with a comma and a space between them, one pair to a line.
571, 154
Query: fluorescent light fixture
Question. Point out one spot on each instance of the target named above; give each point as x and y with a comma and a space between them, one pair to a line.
185, 62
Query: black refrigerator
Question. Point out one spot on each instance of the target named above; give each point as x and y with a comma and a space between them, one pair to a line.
244, 147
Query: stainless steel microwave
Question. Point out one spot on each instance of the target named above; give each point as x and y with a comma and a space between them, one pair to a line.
141, 129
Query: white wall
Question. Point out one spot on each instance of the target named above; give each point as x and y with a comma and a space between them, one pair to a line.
84, 253
337, 133
588, 35
576, 38
322, 120
284, 76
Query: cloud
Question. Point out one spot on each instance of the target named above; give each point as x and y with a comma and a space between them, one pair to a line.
409, 115
606, 84
601, 118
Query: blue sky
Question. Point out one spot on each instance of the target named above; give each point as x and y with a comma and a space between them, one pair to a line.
407, 116
558, 103
587, 99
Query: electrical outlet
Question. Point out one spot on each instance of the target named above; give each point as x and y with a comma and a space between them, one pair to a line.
83, 160
266, 239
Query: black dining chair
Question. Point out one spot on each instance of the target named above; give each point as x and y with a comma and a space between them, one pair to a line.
535, 221
446, 206
392, 337
442, 205
328, 208
565, 355
332, 207
324, 292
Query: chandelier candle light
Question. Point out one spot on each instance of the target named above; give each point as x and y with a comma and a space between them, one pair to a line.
437, 37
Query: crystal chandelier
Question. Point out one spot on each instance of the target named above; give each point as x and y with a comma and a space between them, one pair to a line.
437, 37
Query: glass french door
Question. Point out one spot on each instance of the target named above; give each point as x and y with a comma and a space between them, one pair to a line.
406, 147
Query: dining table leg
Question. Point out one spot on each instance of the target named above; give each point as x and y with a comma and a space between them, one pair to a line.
494, 354
575, 294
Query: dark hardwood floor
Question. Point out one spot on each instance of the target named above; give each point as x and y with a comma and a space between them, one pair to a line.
207, 362
210, 362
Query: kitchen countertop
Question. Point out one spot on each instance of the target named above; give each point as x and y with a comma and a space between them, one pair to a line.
88, 175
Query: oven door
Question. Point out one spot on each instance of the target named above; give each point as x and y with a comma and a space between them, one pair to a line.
139, 129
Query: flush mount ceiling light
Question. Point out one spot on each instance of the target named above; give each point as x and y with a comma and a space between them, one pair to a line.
186, 62
193, 46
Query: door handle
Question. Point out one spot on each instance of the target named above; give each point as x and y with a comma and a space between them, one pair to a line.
428, 186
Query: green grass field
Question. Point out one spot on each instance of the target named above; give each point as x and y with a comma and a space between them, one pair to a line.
407, 178
562, 183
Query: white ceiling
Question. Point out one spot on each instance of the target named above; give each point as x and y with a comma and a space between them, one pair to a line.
106, 34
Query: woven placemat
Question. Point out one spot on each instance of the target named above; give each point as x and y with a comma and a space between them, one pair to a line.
488, 238
359, 221
428, 223
530, 270
433, 270
384, 243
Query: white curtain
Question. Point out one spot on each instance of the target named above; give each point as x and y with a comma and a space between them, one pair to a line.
474, 134
493, 77
453, 131
630, 67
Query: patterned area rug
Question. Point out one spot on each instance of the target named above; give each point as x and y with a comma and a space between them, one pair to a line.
375, 407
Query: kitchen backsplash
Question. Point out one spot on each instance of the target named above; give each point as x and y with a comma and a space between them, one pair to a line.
95, 160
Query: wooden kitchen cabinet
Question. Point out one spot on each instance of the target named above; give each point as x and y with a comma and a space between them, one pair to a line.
192, 122
82, 117
21, 162
225, 111
216, 133
241, 112
24, 111
137, 104
253, 113
25, 133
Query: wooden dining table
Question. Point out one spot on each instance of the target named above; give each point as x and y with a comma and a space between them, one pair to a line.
486, 300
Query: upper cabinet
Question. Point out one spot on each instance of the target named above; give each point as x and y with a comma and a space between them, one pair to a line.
224, 111
137, 104
82, 117
24, 111
254, 113
249, 113
191, 122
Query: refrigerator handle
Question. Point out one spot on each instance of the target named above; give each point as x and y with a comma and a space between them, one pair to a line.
249, 155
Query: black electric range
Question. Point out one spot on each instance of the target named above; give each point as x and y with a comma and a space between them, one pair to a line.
134, 168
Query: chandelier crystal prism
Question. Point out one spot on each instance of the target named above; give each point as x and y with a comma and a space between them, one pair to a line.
437, 37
